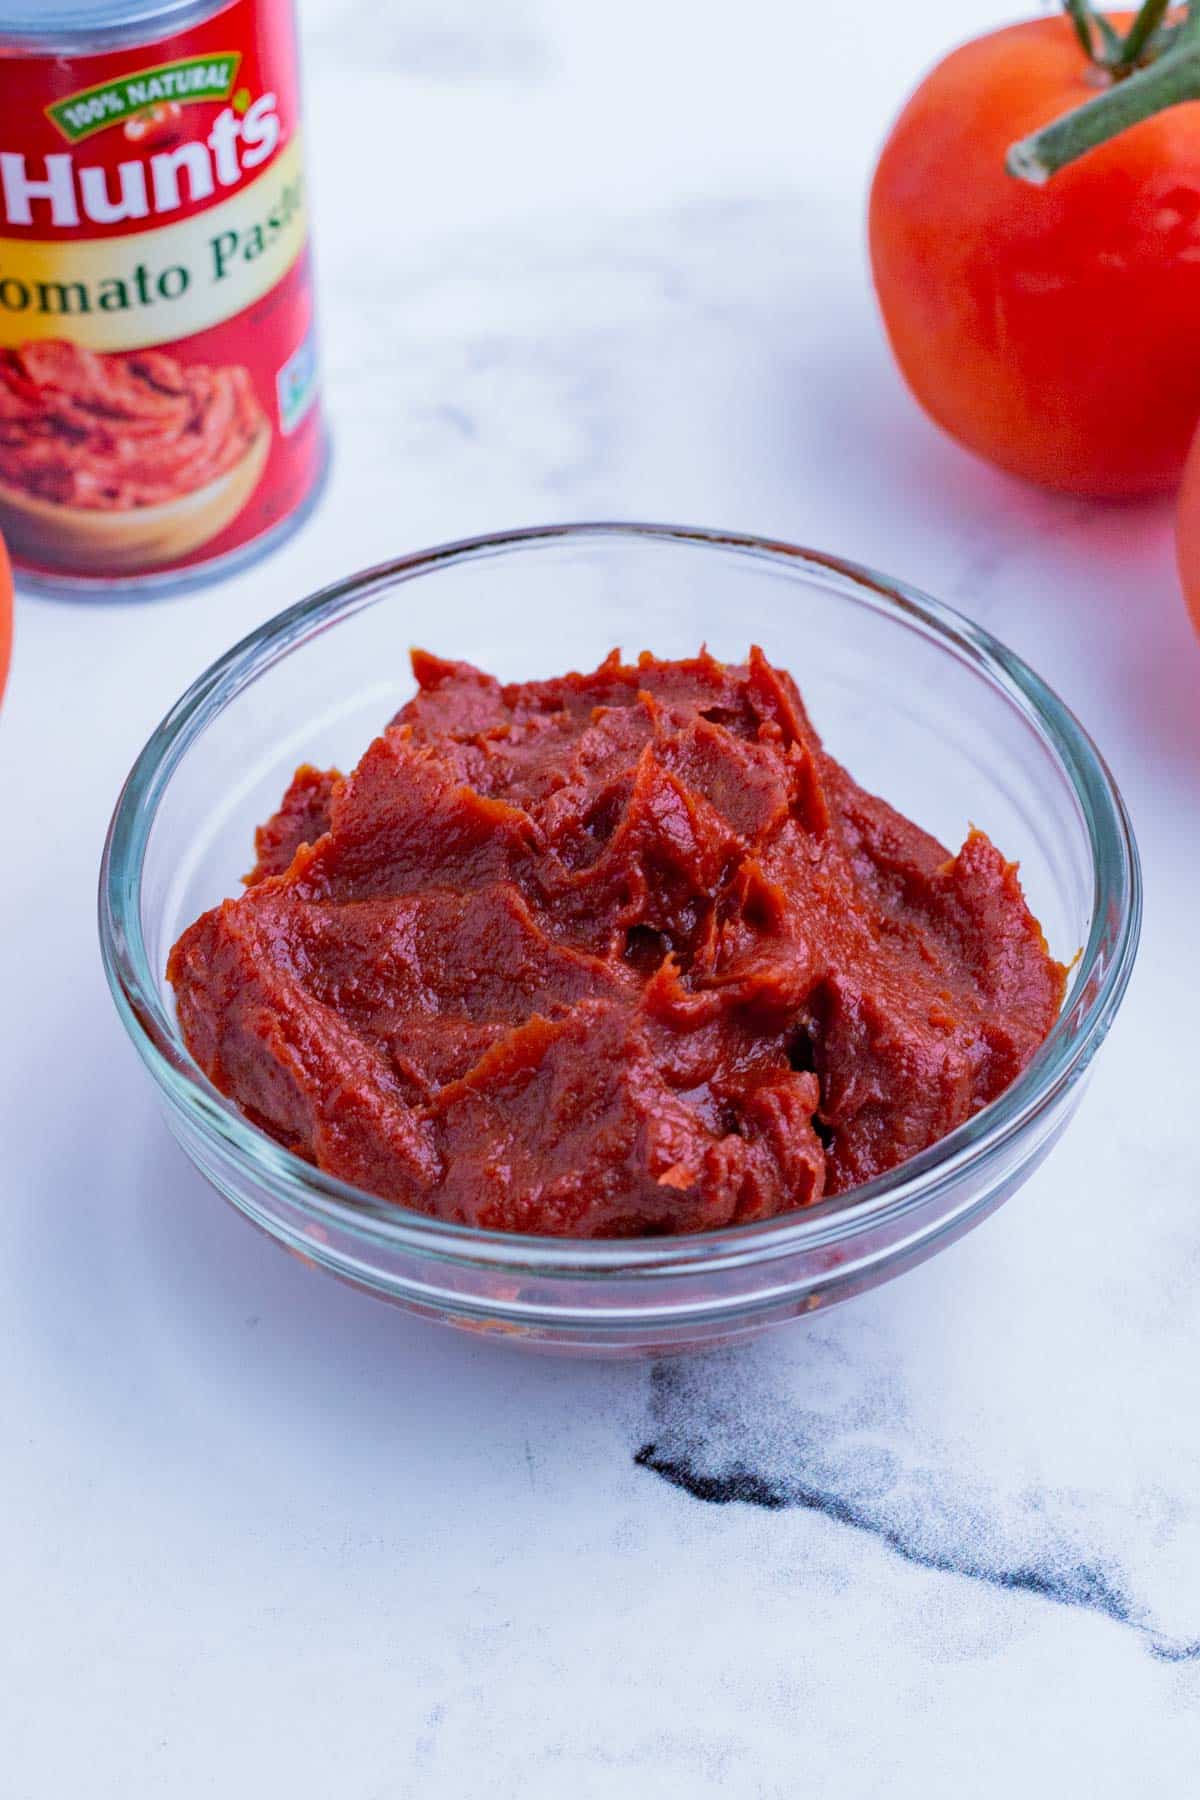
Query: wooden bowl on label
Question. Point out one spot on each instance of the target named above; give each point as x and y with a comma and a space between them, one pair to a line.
90, 541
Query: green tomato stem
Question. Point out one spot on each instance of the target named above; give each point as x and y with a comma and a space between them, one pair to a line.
1111, 38
1080, 14
1168, 81
1141, 32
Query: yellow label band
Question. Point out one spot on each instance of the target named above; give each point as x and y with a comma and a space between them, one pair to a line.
128, 293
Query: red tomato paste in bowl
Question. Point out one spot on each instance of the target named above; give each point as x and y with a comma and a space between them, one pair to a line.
614, 954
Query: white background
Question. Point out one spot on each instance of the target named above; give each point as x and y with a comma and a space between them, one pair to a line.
261, 1534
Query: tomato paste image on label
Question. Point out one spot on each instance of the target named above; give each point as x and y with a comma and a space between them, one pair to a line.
158, 371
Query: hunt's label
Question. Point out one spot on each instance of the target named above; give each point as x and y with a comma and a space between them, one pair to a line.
158, 384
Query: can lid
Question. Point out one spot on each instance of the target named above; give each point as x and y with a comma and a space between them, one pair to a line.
95, 24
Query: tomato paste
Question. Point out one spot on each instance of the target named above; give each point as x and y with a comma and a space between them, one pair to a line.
158, 377
620, 953
120, 431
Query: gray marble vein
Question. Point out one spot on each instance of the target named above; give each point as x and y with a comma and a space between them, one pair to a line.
720, 1439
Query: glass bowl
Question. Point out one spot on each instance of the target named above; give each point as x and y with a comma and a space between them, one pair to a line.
923, 706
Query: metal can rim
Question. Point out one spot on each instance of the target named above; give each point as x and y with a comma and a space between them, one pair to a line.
90, 27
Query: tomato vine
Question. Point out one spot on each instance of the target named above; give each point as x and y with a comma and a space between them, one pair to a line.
1154, 64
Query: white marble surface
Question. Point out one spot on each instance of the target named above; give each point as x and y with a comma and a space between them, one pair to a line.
261, 1535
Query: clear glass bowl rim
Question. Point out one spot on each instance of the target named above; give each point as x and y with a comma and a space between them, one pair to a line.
1105, 962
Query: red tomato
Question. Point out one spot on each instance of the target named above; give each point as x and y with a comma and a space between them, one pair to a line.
1054, 330
155, 126
1187, 532
6, 615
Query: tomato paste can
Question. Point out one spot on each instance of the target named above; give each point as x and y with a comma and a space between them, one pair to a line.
160, 417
